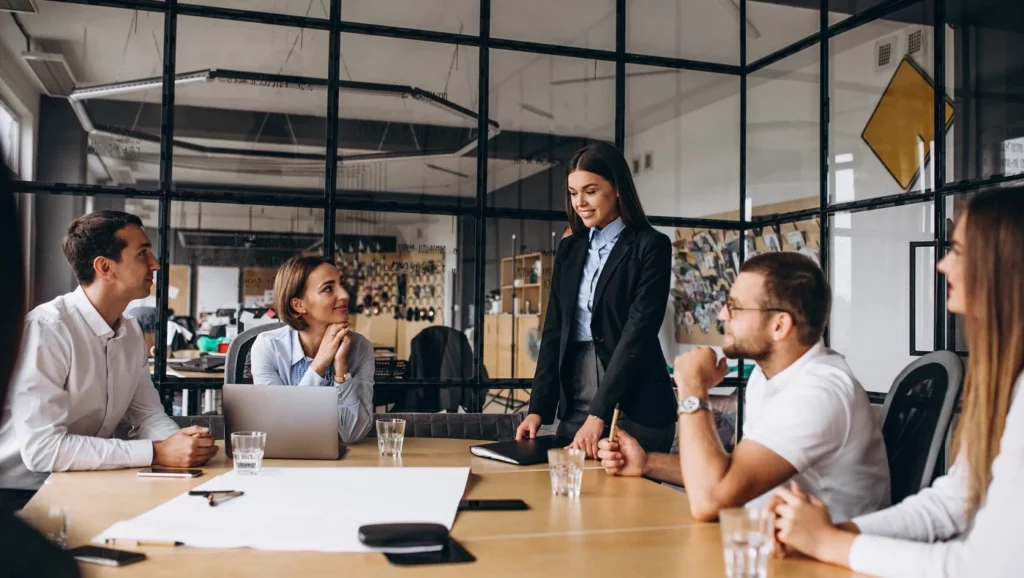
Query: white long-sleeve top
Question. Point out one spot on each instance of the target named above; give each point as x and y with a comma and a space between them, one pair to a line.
76, 380
278, 359
930, 535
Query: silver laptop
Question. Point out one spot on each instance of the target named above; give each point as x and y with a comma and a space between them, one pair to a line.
300, 422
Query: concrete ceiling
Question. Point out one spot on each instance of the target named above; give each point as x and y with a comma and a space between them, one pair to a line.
537, 94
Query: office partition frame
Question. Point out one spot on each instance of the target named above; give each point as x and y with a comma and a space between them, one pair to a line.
325, 199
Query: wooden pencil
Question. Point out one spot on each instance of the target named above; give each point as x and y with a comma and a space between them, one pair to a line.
615, 423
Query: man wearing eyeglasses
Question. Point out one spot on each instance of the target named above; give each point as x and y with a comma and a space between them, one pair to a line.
808, 419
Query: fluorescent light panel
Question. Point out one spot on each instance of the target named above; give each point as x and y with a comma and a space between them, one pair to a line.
143, 85
23, 6
52, 71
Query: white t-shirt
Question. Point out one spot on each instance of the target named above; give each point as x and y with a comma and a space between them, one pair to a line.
818, 418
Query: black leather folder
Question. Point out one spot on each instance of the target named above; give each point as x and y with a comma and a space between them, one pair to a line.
523, 452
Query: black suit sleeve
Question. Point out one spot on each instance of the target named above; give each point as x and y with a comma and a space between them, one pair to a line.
644, 320
546, 382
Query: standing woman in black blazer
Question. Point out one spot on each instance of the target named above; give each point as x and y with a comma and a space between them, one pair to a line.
609, 290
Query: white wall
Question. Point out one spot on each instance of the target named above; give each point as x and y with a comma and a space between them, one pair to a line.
695, 174
438, 230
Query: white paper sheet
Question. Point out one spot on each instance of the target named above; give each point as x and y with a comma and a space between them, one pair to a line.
316, 509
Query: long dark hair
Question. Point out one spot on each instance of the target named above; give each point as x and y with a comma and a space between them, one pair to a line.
12, 291
607, 161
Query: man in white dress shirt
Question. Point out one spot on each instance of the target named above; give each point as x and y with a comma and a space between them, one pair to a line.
84, 367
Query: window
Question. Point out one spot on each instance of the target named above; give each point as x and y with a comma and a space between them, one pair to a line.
10, 138
783, 120
683, 136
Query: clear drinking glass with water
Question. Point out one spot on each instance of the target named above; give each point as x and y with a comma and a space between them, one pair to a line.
566, 471
50, 522
247, 451
746, 541
390, 436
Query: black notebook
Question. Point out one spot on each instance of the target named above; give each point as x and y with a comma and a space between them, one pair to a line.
523, 452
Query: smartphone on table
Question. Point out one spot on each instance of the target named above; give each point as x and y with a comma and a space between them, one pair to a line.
106, 556
492, 505
170, 473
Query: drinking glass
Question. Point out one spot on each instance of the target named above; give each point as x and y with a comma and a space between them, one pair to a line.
390, 436
746, 541
247, 451
52, 523
566, 471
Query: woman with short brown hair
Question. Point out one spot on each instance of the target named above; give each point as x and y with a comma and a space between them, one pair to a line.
317, 347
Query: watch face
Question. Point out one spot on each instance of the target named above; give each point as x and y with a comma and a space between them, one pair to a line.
690, 404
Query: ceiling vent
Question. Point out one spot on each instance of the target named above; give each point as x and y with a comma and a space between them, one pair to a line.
52, 72
23, 6
919, 42
885, 53
285, 242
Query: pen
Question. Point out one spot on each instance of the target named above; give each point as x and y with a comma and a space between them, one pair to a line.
141, 543
615, 423
220, 497
205, 493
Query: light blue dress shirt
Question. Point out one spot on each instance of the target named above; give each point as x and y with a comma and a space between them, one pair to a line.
278, 359
601, 243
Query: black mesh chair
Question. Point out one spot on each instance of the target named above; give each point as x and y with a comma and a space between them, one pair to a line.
124, 431
495, 427
214, 422
384, 368
438, 353
238, 365
916, 417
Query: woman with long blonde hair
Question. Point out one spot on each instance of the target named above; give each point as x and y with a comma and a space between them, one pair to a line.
970, 522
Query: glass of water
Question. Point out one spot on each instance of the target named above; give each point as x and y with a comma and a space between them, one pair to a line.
247, 451
566, 471
390, 436
52, 523
746, 541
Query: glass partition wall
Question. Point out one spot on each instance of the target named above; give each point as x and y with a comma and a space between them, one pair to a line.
422, 146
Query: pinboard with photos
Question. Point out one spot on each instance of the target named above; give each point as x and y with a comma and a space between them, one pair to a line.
705, 263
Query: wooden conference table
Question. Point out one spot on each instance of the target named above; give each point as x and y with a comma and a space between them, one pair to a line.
618, 527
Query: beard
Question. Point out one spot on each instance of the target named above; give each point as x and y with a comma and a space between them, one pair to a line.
757, 348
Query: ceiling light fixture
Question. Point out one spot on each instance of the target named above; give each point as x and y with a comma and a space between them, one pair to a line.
52, 72
140, 85
536, 111
22, 6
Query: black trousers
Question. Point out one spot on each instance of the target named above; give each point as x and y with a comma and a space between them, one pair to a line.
587, 373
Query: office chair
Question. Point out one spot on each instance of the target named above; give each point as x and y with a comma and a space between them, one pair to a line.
214, 422
384, 368
916, 417
125, 431
495, 427
237, 366
439, 353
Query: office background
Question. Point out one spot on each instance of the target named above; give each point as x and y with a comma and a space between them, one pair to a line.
406, 132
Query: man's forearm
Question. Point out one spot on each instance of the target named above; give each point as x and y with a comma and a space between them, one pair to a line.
703, 461
664, 468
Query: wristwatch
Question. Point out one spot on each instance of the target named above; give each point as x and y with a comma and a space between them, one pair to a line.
344, 378
693, 404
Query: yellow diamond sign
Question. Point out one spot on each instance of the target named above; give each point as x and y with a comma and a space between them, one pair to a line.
903, 118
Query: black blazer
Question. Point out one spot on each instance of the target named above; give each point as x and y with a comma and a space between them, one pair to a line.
629, 307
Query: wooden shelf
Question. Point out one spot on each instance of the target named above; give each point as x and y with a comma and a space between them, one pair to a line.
526, 256
524, 286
